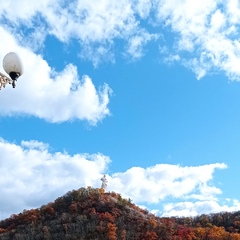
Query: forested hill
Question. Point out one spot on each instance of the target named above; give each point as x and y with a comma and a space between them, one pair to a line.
91, 214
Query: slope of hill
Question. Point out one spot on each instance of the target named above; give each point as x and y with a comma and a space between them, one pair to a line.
91, 214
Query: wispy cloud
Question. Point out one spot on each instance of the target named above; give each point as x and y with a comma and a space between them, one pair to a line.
205, 33
89, 23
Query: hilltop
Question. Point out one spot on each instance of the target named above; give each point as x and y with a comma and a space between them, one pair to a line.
89, 213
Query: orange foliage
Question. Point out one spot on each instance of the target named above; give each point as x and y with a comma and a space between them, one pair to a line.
112, 229
2, 230
153, 223
102, 191
109, 216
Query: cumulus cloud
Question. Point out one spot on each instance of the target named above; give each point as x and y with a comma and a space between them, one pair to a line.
176, 190
164, 180
50, 95
30, 175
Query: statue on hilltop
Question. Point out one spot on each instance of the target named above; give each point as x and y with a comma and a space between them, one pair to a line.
104, 182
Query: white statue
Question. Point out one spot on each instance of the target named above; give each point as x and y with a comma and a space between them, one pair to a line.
104, 182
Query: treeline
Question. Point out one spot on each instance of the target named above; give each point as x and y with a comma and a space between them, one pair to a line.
89, 213
230, 221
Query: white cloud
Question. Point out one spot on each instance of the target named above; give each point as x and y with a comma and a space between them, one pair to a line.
97, 53
136, 43
205, 32
142, 7
197, 208
208, 31
154, 184
31, 176
23, 11
53, 96
34, 176
90, 23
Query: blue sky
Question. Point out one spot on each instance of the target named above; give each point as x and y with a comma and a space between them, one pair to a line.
146, 92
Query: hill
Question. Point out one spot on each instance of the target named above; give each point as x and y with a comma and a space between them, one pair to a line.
89, 213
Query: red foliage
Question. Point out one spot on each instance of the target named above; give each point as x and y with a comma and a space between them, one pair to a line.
109, 216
